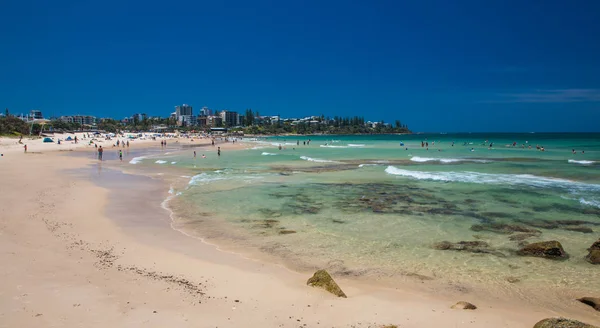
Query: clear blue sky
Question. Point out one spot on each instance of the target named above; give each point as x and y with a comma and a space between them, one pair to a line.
436, 65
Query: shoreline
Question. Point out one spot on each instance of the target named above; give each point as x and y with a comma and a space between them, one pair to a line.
229, 275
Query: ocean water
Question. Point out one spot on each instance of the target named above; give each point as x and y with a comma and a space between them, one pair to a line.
366, 206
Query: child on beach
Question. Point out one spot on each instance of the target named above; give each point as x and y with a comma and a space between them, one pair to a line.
120, 155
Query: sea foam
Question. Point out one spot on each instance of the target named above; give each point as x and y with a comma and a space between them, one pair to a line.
318, 160
476, 177
447, 160
582, 162
136, 160
160, 162
268, 154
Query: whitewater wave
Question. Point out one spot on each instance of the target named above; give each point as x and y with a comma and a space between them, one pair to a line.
447, 160
356, 145
318, 160
136, 160
363, 165
268, 154
582, 162
332, 146
593, 203
173, 162
513, 179
160, 162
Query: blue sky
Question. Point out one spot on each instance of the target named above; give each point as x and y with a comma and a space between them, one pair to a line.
436, 65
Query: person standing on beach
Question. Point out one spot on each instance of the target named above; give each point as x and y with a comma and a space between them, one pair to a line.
120, 155
194, 154
25, 147
127, 143
100, 150
219, 151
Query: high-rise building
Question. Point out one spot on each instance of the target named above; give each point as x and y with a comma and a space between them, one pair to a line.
205, 111
229, 118
184, 115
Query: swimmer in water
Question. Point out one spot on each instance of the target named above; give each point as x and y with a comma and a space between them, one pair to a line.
472, 149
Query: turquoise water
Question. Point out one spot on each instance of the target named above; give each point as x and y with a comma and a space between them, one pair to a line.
367, 206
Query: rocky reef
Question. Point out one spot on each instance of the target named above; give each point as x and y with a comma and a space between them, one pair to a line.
322, 279
546, 249
475, 246
561, 323
594, 253
503, 228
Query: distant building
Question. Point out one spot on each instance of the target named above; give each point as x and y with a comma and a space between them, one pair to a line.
36, 115
139, 117
205, 111
215, 121
184, 115
80, 119
202, 121
230, 118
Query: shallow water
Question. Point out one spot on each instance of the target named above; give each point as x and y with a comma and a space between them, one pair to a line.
364, 205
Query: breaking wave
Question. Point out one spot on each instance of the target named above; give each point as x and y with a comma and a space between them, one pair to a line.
318, 160
582, 162
512, 179
447, 160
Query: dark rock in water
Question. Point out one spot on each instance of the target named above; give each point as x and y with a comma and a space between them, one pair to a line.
322, 279
461, 245
286, 232
561, 323
266, 224
476, 246
338, 221
462, 305
497, 215
542, 224
523, 236
546, 249
503, 228
591, 301
595, 246
591, 211
594, 256
579, 229
575, 222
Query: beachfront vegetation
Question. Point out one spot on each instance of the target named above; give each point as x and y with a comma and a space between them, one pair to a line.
254, 124
14, 126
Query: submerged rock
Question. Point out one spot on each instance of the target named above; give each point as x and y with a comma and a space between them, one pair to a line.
476, 246
286, 232
579, 229
503, 228
322, 279
574, 222
561, 323
546, 249
462, 305
591, 301
542, 224
523, 236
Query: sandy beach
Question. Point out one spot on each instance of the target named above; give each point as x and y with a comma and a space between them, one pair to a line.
77, 251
